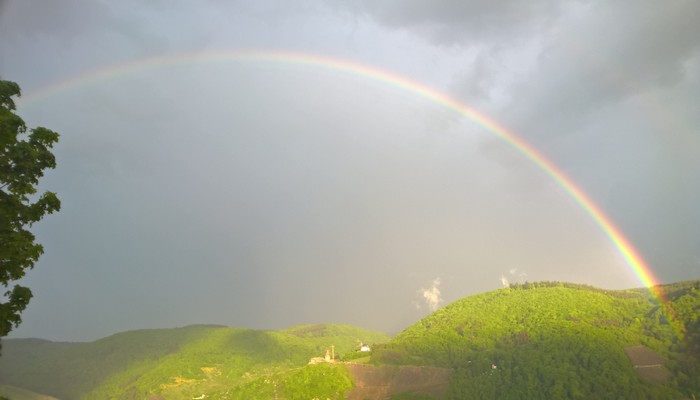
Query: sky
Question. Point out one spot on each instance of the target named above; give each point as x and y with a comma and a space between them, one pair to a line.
216, 165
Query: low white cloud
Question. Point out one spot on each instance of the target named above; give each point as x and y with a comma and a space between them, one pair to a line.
514, 275
432, 295
504, 281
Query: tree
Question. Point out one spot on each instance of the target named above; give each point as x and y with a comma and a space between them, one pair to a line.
23, 158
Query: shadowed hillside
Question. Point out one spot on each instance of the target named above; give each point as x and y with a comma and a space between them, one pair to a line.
12, 393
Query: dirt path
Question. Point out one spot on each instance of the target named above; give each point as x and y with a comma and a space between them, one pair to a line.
381, 382
648, 363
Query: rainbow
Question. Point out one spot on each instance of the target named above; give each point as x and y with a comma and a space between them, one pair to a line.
630, 255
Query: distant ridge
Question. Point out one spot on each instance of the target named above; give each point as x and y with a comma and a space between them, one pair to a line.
13, 393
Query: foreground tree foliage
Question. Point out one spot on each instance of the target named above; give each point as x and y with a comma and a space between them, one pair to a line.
24, 156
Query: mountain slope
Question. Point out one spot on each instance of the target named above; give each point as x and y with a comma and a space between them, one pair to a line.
534, 341
68, 370
230, 357
172, 363
554, 340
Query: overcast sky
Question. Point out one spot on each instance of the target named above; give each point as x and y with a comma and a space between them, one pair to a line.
258, 193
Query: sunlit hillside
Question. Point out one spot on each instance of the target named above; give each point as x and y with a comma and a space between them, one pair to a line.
554, 340
534, 341
173, 363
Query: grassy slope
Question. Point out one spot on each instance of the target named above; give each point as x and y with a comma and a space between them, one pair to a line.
174, 363
69, 370
553, 341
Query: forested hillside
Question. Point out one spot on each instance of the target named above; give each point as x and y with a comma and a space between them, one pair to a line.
555, 340
544, 340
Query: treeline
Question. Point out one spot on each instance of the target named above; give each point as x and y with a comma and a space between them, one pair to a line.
623, 294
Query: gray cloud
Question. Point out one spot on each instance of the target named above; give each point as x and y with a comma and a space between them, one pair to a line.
604, 55
264, 194
592, 92
606, 74
465, 23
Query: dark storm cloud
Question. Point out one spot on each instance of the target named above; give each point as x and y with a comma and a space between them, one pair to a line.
464, 23
604, 92
604, 55
590, 53
606, 73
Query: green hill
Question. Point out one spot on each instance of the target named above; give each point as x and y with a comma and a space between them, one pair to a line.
554, 340
172, 363
534, 341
